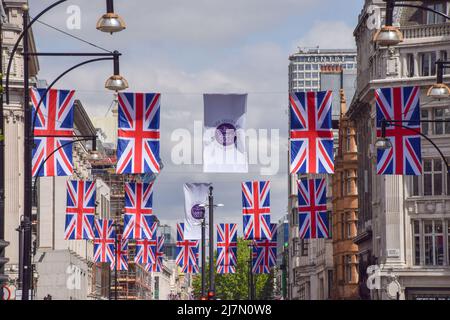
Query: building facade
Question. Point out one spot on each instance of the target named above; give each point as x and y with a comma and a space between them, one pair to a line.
403, 221
345, 210
14, 134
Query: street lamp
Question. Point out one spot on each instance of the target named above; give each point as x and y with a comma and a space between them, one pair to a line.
211, 207
116, 82
110, 22
440, 90
383, 143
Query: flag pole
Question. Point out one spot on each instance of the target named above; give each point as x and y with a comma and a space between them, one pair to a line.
203, 257
211, 241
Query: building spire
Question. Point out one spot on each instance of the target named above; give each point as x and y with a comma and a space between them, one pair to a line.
343, 102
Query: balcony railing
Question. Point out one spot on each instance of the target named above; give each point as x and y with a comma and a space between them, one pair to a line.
426, 31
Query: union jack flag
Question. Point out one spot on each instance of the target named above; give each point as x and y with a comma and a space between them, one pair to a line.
53, 129
159, 255
145, 251
121, 254
312, 209
311, 132
138, 135
138, 216
80, 210
265, 252
187, 252
104, 241
226, 248
256, 209
399, 104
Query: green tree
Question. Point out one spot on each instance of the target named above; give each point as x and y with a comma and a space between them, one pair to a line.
235, 286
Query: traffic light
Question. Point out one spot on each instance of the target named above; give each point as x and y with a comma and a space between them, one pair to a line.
211, 295
3, 261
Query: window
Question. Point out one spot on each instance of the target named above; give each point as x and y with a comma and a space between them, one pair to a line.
304, 248
410, 65
428, 60
424, 116
301, 75
433, 177
441, 114
348, 140
348, 268
348, 222
300, 67
428, 241
342, 224
433, 18
315, 67
415, 186
416, 242
348, 182
307, 67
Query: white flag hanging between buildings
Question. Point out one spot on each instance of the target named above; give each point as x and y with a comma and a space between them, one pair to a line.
224, 147
194, 195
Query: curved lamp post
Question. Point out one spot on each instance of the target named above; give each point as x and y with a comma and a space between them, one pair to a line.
384, 143
109, 22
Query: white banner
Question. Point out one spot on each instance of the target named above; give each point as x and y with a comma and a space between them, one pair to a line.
224, 147
194, 195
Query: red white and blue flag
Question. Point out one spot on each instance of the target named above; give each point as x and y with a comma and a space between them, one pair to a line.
53, 129
226, 248
312, 209
158, 254
401, 106
121, 254
264, 252
104, 242
138, 216
80, 210
187, 252
145, 251
138, 134
311, 136
256, 209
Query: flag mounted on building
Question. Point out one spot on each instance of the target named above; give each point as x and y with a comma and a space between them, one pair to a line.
121, 254
104, 242
195, 194
311, 136
53, 129
138, 211
138, 135
226, 248
264, 252
256, 209
401, 105
312, 209
187, 252
224, 148
80, 210
159, 256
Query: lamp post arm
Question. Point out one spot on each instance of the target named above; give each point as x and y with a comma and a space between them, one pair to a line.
51, 154
57, 79
392, 123
19, 39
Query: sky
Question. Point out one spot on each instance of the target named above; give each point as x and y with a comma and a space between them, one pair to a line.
183, 49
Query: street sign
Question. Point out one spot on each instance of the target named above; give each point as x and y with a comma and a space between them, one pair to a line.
6, 293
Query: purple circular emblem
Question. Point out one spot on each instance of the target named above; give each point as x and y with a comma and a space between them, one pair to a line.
197, 212
226, 134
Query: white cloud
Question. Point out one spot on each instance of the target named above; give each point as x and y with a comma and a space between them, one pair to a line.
327, 35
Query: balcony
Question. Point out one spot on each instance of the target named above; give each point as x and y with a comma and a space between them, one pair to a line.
426, 31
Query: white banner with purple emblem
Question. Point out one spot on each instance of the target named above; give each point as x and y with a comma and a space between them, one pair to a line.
224, 147
195, 194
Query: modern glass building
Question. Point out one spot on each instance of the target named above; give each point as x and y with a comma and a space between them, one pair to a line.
305, 66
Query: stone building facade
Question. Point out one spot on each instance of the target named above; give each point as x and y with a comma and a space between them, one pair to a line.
345, 210
403, 221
